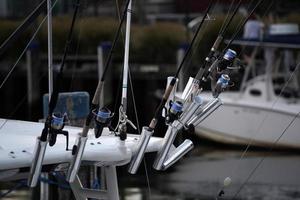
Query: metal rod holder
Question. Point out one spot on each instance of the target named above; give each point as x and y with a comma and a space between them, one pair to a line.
191, 109
37, 162
209, 108
178, 153
188, 89
167, 143
142, 145
76, 160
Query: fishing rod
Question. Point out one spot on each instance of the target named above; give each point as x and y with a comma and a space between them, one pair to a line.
195, 84
24, 25
194, 113
227, 56
101, 116
55, 122
148, 131
123, 119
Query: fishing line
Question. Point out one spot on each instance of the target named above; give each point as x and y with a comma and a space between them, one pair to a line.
75, 65
227, 15
133, 100
139, 130
24, 50
17, 107
264, 119
23, 26
265, 156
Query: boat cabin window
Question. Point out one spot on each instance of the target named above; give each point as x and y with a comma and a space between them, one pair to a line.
255, 92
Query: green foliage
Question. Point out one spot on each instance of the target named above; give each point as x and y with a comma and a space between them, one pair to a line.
158, 43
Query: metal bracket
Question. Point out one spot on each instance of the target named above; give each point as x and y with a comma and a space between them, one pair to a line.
110, 193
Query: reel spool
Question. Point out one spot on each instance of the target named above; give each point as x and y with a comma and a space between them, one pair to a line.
57, 125
102, 119
174, 111
227, 60
222, 84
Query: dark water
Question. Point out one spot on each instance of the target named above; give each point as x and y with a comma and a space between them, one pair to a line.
200, 176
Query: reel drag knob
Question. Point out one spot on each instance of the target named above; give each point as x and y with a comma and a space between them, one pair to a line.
102, 119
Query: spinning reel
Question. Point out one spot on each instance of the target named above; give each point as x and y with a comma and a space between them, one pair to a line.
222, 84
57, 124
174, 111
227, 60
102, 119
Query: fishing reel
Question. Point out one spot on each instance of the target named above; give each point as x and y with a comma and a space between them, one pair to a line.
57, 124
222, 83
122, 124
227, 60
174, 111
102, 118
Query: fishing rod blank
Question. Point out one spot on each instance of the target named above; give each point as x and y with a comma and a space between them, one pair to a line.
53, 124
79, 146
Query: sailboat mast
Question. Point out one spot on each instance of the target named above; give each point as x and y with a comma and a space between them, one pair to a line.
50, 51
126, 60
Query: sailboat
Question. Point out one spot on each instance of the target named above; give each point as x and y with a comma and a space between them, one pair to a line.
268, 99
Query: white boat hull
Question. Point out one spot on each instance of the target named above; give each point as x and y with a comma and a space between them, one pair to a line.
242, 123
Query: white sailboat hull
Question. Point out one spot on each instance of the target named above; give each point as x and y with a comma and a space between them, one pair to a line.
258, 123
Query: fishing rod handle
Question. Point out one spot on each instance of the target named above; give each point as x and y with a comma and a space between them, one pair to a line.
166, 95
217, 43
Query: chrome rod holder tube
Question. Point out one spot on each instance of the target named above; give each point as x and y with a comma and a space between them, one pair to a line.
178, 153
167, 143
208, 109
37, 162
188, 89
193, 107
141, 148
76, 159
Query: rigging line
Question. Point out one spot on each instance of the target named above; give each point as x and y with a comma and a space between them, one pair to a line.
25, 49
273, 105
265, 155
21, 102
264, 119
134, 103
139, 130
23, 26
